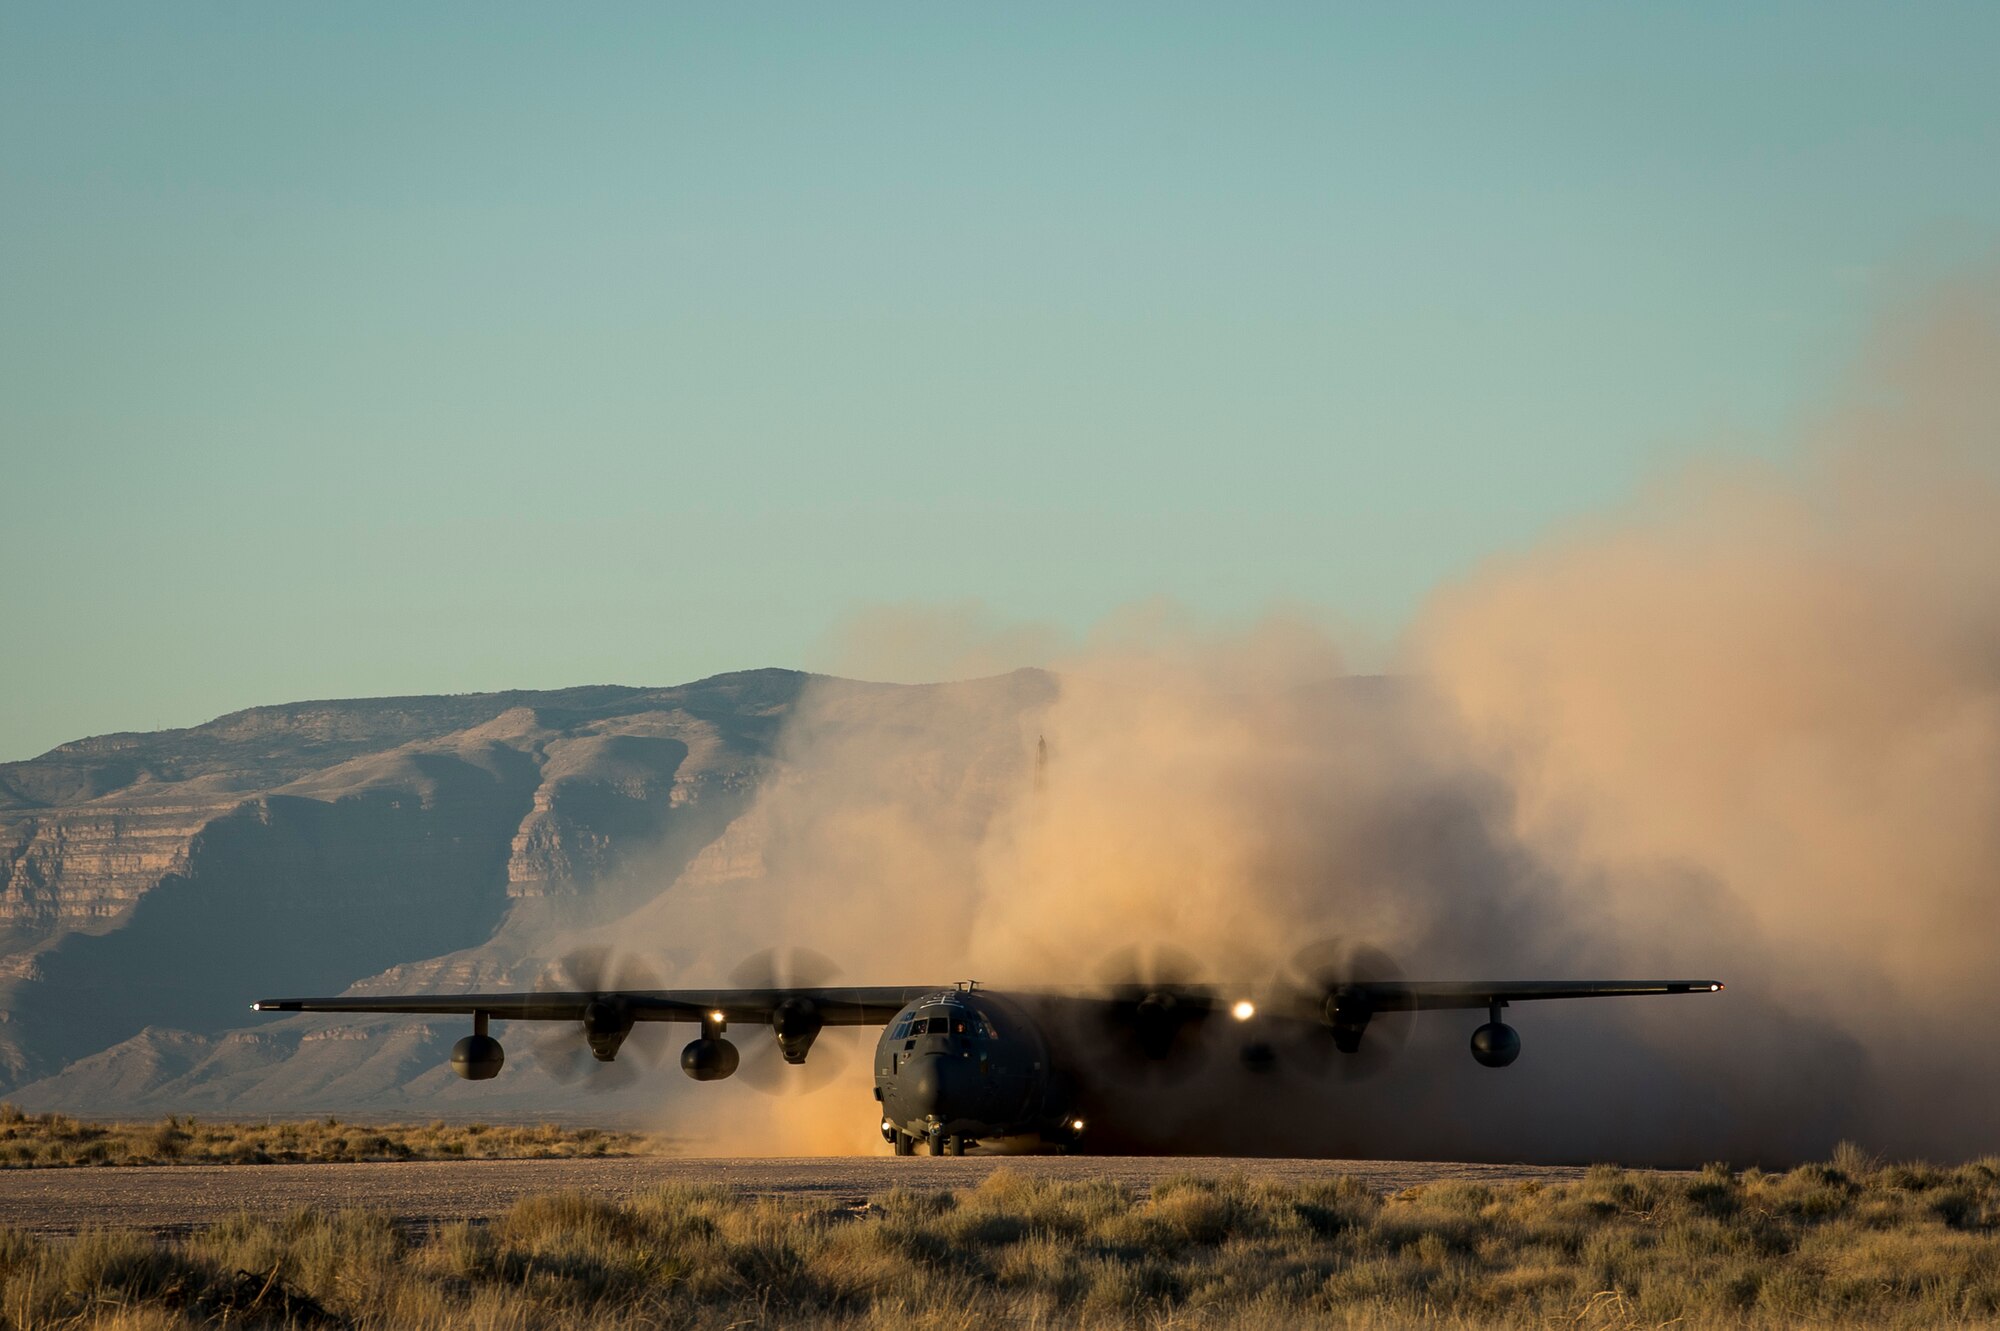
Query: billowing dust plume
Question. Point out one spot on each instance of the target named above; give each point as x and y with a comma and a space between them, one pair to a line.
1753, 725
1748, 729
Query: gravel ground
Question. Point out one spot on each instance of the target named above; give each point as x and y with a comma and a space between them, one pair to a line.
173, 1199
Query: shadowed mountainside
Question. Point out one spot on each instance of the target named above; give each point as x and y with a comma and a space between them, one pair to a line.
151, 884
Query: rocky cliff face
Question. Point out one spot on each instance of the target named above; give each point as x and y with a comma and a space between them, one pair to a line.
152, 884
160, 880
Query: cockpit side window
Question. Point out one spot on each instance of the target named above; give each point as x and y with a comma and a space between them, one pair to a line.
902, 1029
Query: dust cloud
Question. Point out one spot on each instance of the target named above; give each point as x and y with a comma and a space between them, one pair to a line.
916, 643
1754, 722
1748, 728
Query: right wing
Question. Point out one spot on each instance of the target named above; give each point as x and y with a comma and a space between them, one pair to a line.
837, 1006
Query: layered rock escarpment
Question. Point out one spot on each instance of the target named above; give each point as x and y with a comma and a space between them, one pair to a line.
153, 882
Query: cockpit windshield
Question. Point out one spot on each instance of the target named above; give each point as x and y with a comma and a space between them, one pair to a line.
968, 1022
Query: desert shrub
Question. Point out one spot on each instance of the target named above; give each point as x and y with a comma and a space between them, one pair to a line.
165, 1140
1915, 1176
907, 1202
1203, 1215
1958, 1208
1838, 1245
1127, 1288
59, 1140
1853, 1162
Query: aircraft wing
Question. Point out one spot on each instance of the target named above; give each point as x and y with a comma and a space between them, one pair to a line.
1426, 995
876, 1005
1382, 995
838, 1006
1408, 995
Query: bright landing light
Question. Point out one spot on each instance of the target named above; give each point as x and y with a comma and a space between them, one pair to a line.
1244, 1010
715, 1016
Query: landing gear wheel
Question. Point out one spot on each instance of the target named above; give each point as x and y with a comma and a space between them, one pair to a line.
905, 1144
954, 1145
936, 1142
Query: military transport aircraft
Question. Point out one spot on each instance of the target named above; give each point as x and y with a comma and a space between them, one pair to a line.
960, 1065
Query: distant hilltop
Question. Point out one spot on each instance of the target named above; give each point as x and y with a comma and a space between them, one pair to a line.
272, 745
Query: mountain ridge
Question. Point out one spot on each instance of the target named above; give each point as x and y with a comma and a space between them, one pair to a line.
149, 881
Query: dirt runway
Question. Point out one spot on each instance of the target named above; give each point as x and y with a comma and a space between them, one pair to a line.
175, 1199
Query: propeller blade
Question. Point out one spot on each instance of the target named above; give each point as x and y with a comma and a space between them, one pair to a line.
1318, 972
564, 1052
583, 968
1148, 1026
785, 968
649, 1042
764, 1067
612, 1076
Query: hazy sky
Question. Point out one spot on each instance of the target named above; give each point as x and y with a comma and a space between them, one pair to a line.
356, 349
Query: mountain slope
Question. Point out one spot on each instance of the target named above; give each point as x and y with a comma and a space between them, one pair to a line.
151, 884
156, 880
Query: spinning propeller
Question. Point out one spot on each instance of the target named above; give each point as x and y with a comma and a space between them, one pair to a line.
1329, 978
775, 1061
1147, 1024
608, 1029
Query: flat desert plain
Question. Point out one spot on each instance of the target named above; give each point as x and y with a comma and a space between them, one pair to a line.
169, 1199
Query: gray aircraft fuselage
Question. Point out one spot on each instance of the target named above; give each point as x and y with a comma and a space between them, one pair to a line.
959, 1066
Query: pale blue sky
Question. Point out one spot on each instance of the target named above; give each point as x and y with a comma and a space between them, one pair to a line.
359, 349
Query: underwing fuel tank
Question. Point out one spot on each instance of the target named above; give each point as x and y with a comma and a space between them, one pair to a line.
477, 1058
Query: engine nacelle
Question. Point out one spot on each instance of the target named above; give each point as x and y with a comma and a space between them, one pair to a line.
796, 1022
477, 1058
710, 1058
1348, 1011
605, 1026
1496, 1044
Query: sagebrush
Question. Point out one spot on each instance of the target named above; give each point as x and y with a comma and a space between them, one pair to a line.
1850, 1243
41, 1141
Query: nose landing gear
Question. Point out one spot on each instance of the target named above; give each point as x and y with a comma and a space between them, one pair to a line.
936, 1141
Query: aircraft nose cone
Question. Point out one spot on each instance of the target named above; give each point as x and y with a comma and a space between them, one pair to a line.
928, 1085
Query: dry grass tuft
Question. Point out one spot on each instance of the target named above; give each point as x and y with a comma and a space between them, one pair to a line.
1850, 1243
42, 1141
